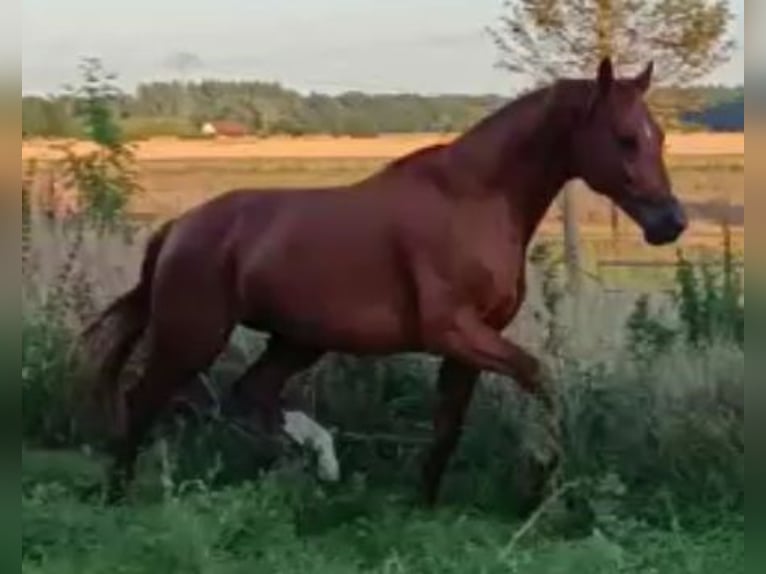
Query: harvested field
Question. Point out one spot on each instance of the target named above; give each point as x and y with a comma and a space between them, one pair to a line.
386, 146
707, 172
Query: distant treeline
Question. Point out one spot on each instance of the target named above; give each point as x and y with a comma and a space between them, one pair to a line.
723, 115
180, 109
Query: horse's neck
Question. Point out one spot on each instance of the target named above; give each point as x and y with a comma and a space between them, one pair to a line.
521, 152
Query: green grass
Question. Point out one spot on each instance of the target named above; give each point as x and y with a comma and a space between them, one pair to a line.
287, 524
654, 454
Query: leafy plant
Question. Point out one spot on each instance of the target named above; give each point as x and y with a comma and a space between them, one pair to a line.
648, 335
105, 178
552, 294
46, 371
710, 298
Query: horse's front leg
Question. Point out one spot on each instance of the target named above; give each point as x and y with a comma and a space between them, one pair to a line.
482, 348
456, 384
475, 343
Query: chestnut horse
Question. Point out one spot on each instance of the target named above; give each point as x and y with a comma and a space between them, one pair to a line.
426, 255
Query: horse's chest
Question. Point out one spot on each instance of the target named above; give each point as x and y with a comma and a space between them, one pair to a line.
496, 291
491, 262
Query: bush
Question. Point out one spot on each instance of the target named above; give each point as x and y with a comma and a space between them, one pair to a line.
52, 312
711, 300
46, 377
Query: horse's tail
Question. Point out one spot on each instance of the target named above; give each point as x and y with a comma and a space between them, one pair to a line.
130, 312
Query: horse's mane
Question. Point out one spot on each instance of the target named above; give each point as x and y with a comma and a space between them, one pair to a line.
567, 93
564, 92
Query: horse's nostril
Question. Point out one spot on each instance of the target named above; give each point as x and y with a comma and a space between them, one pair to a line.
681, 220
676, 217
676, 221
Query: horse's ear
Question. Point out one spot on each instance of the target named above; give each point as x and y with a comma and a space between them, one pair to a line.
603, 86
605, 75
644, 79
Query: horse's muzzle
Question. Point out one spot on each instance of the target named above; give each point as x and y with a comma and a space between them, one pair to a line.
662, 223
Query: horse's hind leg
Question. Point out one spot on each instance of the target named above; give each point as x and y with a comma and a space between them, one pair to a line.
172, 362
260, 389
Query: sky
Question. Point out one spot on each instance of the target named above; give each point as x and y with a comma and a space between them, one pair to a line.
425, 46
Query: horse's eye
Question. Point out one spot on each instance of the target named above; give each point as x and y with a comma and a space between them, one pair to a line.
628, 143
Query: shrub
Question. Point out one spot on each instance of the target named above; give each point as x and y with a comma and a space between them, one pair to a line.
104, 181
710, 299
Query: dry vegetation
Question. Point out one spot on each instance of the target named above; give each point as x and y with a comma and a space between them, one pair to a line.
387, 146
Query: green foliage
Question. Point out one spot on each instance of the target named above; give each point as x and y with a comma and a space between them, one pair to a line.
711, 300
46, 377
48, 367
106, 178
177, 109
95, 101
724, 113
44, 117
282, 527
648, 335
710, 306
552, 293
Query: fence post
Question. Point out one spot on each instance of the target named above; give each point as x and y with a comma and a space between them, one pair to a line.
571, 240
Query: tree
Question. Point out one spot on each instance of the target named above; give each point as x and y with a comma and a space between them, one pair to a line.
546, 39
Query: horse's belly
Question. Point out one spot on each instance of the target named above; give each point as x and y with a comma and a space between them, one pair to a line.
360, 316
336, 286
364, 329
